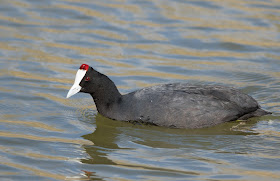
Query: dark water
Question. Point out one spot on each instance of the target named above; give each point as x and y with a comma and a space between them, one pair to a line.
136, 43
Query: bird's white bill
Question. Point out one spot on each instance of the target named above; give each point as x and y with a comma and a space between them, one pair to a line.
76, 87
74, 90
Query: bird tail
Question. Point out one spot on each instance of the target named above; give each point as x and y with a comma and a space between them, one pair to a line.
257, 113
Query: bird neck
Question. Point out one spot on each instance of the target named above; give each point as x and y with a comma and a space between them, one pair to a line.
106, 95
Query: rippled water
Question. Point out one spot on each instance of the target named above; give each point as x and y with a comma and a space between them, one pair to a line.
136, 43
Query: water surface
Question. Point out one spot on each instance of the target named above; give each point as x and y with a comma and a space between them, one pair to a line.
44, 136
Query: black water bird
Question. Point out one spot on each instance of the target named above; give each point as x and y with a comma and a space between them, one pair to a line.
176, 105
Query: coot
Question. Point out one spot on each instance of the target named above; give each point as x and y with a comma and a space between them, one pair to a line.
176, 105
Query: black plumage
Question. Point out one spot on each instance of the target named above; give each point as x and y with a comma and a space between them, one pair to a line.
176, 105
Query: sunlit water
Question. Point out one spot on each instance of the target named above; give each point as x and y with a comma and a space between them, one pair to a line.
136, 43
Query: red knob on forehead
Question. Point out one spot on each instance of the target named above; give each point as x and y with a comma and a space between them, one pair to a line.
84, 67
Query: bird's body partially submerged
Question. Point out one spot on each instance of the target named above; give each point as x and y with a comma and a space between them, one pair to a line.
177, 105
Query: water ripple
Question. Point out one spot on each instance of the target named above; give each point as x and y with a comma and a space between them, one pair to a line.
137, 44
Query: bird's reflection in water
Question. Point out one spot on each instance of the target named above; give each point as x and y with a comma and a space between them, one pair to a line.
104, 138
108, 133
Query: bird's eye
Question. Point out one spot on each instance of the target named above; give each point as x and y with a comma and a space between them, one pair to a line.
87, 79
